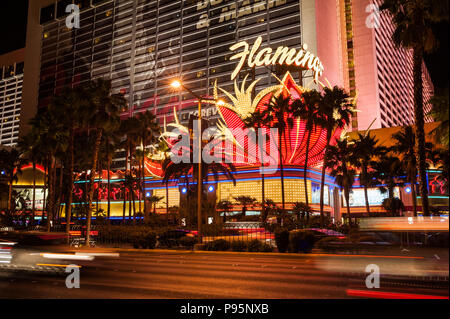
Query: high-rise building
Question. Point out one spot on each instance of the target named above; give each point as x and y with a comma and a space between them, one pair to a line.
143, 45
11, 79
377, 72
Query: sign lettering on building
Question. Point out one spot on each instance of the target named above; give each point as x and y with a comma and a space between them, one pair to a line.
282, 56
230, 12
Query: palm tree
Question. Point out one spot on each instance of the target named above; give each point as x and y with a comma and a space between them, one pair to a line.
33, 154
336, 109
413, 21
153, 200
51, 139
391, 174
102, 116
129, 127
131, 184
66, 106
111, 142
269, 208
245, 202
404, 147
11, 163
442, 163
255, 121
307, 109
147, 129
393, 205
277, 115
301, 210
225, 206
186, 168
439, 113
366, 150
340, 161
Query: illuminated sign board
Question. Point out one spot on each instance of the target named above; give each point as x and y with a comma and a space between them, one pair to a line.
281, 56
376, 197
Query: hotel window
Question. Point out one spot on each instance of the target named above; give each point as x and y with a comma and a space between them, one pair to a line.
47, 14
61, 8
9, 71
98, 1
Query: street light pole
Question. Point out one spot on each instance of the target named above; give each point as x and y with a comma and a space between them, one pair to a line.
177, 84
200, 181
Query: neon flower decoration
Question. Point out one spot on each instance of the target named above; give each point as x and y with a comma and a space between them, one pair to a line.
231, 128
293, 149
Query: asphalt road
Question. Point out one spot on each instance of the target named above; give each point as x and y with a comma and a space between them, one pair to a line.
191, 275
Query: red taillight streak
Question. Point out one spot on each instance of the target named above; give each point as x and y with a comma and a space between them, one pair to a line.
390, 295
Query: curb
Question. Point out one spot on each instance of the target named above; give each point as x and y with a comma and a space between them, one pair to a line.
297, 255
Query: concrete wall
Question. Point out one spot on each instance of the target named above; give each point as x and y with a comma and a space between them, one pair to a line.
32, 63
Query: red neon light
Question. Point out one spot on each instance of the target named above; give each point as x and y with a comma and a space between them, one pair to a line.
390, 295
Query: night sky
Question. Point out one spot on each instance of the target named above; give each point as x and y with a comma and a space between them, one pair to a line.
13, 20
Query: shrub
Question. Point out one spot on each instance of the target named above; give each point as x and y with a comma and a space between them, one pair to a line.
238, 245
187, 242
149, 240
265, 248
143, 239
282, 239
254, 245
217, 245
300, 240
326, 244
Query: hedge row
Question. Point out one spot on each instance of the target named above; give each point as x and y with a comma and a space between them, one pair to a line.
294, 241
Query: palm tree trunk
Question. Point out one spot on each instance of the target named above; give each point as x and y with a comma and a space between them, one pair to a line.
70, 195
167, 202
130, 199
263, 194
91, 190
308, 141
50, 193
143, 182
280, 156
134, 206
99, 183
420, 132
322, 180
109, 182
44, 201
366, 198
144, 139
414, 197
33, 205
347, 199
140, 189
10, 195
124, 205
54, 192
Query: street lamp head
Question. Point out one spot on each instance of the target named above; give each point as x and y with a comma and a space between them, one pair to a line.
175, 84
